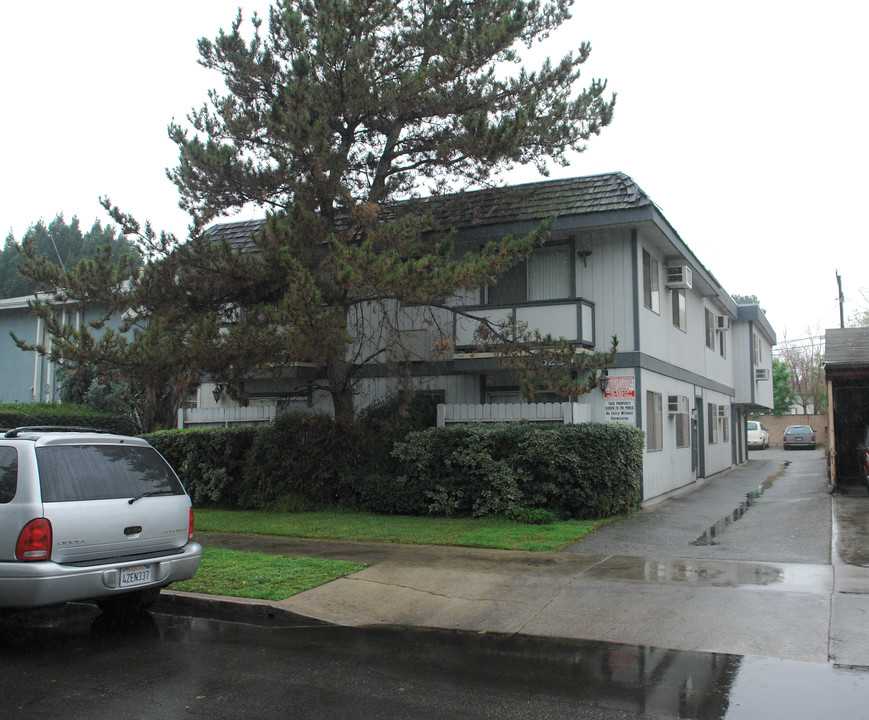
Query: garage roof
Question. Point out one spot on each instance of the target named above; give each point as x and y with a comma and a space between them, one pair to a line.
847, 348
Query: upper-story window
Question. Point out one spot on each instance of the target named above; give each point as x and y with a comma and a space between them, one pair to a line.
710, 329
545, 275
680, 309
758, 351
651, 283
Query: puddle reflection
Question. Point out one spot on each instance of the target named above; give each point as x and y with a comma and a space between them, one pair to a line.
635, 680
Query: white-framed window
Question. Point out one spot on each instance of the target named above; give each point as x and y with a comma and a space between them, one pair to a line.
651, 283
654, 421
710, 329
680, 309
545, 275
722, 344
683, 430
712, 423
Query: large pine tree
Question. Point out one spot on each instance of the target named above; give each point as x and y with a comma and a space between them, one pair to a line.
337, 109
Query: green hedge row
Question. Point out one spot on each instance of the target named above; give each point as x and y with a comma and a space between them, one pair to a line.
581, 471
14, 415
210, 463
305, 461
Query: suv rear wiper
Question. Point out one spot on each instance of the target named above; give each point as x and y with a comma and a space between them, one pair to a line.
152, 493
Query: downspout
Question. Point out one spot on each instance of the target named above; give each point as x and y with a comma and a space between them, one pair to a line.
635, 270
831, 434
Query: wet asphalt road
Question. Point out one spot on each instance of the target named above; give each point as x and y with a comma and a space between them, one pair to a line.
73, 663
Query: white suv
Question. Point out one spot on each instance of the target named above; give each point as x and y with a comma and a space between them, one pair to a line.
90, 516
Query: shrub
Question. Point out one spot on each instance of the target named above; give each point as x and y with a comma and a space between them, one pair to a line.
65, 414
300, 459
210, 462
377, 483
584, 471
536, 516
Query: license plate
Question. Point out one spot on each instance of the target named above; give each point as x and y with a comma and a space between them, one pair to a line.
138, 575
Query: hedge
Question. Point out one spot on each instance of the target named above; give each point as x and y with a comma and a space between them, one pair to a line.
303, 462
210, 462
583, 471
14, 415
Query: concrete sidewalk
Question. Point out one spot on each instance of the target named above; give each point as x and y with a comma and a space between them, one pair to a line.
766, 582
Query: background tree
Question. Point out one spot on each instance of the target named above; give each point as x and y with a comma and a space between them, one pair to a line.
859, 318
804, 359
335, 112
746, 300
144, 350
781, 388
62, 244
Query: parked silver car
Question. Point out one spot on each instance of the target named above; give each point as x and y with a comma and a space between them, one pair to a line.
86, 515
796, 436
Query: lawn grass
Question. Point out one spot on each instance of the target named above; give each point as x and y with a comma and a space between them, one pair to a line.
261, 576
498, 533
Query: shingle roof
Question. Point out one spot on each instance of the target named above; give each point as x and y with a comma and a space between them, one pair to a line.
503, 205
848, 347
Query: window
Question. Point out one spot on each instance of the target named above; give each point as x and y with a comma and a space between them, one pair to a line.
758, 351
712, 417
680, 311
100, 472
8, 474
543, 276
683, 430
651, 283
722, 345
725, 424
654, 421
710, 329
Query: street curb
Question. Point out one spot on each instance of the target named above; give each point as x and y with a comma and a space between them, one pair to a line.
231, 608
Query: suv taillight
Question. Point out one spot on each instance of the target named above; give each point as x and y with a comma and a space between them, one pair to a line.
34, 541
190, 526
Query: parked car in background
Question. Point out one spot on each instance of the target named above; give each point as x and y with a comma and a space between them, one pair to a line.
86, 515
758, 435
863, 458
798, 436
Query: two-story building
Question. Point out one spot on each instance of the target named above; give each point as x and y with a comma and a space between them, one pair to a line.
691, 364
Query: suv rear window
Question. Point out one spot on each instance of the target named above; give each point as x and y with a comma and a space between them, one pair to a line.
8, 474
100, 472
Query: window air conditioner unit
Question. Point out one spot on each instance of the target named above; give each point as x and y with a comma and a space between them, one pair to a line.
677, 404
722, 322
761, 374
679, 277
722, 412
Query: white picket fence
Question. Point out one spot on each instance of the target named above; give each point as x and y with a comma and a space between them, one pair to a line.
565, 413
226, 416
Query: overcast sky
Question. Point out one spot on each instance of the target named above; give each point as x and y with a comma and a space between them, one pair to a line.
745, 122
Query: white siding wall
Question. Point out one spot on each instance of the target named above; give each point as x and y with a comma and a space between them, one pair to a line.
606, 279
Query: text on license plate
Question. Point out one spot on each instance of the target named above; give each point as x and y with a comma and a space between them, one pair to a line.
138, 575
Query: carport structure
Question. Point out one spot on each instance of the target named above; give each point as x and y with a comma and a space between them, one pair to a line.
847, 372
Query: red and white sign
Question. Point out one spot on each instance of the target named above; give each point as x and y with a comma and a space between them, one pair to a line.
620, 399
620, 387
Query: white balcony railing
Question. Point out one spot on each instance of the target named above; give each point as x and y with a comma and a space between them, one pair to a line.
565, 413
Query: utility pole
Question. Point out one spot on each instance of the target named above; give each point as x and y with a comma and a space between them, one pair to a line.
841, 301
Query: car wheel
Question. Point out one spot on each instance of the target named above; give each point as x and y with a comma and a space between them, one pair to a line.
128, 603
